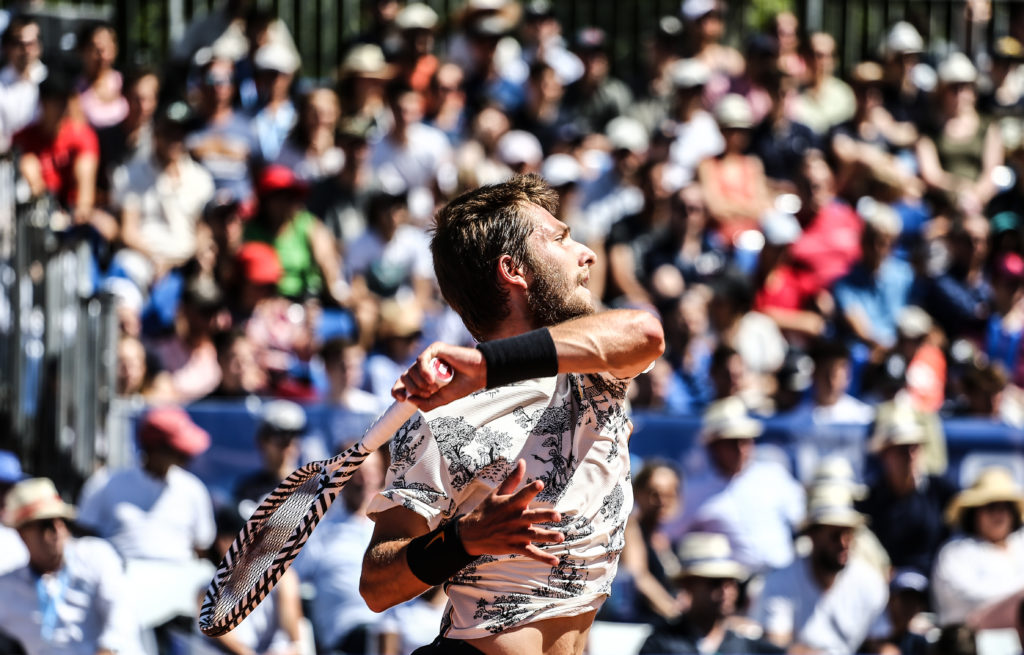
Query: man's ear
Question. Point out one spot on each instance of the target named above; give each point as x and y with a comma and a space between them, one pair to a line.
511, 273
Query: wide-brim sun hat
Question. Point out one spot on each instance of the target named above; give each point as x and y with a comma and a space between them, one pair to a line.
728, 419
994, 485
708, 555
902, 428
831, 505
34, 499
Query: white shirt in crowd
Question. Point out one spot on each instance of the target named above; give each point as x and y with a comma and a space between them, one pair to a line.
310, 168
971, 572
758, 510
696, 140
82, 608
573, 434
836, 621
169, 207
19, 100
151, 519
415, 623
425, 158
332, 561
13, 553
406, 255
846, 411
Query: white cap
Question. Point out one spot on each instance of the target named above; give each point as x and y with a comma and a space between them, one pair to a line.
957, 69
694, 9
276, 57
560, 170
627, 133
728, 419
126, 293
903, 38
688, 73
879, 216
519, 147
780, 228
486, 5
734, 111
416, 16
914, 322
282, 416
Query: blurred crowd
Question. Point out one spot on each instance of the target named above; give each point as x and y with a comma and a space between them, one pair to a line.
836, 249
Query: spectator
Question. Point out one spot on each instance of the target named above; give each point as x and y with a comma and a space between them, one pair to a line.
158, 511
340, 200
282, 422
827, 100
332, 559
224, 142
411, 624
543, 113
777, 140
905, 505
1006, 322
959, 151
785, 293
711, 579
1003, 94
190, 356
688, 245
399, 332
734, 183
241, 374
828, 600
958, 299
925, 362
12, 550
161, 200
908, 598
704, 29
20, 78
786, 28
416, 61
223, 30
870, 297
648, 557
830, 403
362, 79
274, 624
903, 95
446, 102
71, 596
728, 496
343, 363
985, 563
275, 70
99, 88
520, 151
308, 256
614, 193
596, 97
131, 138
310, 149
696, 133
477, 158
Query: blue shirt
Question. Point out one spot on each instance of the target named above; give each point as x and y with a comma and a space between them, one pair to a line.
879, 298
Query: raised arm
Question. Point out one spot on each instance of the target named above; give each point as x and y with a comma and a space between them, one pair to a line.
622, 342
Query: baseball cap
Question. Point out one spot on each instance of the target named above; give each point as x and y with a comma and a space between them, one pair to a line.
728, 419
1010, 266
627, 133
957, 69
903, 38
10, 468
780, 228
282, 416
694, 9
560, 169
908, 579
733, 111
913, 322
690, 73
259, 263
34, 499
280, 178
519, 147
591, 39
278, 57
172, 427
416, 16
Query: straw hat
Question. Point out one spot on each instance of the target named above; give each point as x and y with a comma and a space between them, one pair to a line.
728, 419
366, 60
901, 428
399, 319
837, 470
708, 555
33, 500
832, 505
994, 485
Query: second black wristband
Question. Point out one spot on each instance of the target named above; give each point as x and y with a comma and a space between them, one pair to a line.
522, 357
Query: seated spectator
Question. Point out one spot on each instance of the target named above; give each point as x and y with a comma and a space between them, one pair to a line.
908, 598
903, 95
362, 79
20, 77
157, 511
282, 422
830, 404
131, 138
399, 333
786, 293
777, 140
416, 60
711, 579
648, 557
827, 100
99, 88
274, 624
705, 30
1006, 321
240, 372
728, 495
985, 563
688, 245
1004, 95
190, 356
595, 98
224, 141
343, 364
446, 102
340, 200
543, 113
161, 200
307, 254
310, 150
12, 550
275, 66
958, 299
332, 560
925, 362
871, 296
71, 596
735, 187
614, 193
224, 222
696, 133
392, 256
906, 504
959, 151
826, 601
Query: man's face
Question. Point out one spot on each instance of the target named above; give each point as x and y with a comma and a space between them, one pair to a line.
715, 597
831, 546
558, 271
143, 97
24, 49
45, 539
731, 456
900, 462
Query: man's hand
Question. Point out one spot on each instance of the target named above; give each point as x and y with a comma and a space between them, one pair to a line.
504, 522
420, 385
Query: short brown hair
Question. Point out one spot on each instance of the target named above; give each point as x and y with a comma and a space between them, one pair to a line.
471, 234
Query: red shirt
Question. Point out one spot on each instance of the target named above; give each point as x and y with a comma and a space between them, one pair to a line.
786, 288
57, 155
830, 244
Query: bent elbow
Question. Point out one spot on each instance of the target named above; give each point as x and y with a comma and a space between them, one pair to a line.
370, 596
652, 335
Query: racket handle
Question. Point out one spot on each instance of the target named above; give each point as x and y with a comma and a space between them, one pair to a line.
395, 417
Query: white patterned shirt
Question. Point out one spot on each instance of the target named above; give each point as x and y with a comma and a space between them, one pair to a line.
573, 433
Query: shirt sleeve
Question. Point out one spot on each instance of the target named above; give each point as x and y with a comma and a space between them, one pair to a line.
117, 622
775, 609
205, 526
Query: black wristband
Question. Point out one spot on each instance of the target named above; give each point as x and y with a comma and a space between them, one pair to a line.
522, 357
438, 555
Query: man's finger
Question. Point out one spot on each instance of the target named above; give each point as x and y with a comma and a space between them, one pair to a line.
540, 515
526, 495
513, 479
542, 536
533, 552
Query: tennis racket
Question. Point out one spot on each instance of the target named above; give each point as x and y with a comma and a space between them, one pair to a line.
280, 526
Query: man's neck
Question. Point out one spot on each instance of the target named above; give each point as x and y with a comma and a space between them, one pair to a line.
824, 578
707, 625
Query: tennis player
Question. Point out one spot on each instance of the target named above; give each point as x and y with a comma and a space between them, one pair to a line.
511, 487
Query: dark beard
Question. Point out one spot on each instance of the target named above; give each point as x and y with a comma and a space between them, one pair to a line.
551, 298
